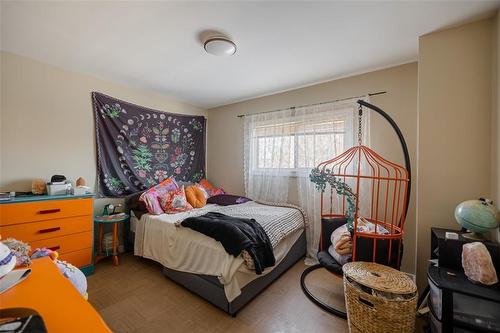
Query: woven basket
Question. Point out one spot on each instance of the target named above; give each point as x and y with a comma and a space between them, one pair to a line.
379, 298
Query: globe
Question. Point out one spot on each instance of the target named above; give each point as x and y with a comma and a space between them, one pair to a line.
478, 216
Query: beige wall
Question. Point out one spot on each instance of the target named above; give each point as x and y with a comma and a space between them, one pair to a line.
47, 122
225, 142
495, 137
454, 147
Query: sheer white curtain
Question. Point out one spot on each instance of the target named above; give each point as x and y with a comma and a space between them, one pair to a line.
282, 147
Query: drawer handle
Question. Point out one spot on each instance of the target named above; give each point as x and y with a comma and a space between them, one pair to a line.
44, 231
54, 248
50, 211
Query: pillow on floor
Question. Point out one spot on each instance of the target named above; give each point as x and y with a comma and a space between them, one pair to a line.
175, 201
151, 196
195, 196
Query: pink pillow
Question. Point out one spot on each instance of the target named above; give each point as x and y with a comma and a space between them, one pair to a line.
151, 196
175, 201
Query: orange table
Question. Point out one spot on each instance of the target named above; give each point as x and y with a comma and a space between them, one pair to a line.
53, 296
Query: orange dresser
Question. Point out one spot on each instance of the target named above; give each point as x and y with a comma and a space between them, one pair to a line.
60, 223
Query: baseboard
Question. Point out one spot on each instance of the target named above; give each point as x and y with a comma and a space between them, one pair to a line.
87, 270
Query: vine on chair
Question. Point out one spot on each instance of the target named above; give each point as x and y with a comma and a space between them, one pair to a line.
322, 177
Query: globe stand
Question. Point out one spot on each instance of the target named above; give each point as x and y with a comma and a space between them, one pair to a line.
475, 236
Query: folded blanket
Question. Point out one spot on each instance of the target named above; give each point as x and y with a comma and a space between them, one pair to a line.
341, 248
236, 235
343, 243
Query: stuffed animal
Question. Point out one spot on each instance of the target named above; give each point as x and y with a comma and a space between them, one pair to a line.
73, 274
20, 249
44, 252
7, 260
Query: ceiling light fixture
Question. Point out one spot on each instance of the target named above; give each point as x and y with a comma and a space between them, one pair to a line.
220, 46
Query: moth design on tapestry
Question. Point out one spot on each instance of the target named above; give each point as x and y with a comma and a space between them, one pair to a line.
139, 147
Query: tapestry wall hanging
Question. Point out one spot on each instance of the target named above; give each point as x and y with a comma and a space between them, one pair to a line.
139, 147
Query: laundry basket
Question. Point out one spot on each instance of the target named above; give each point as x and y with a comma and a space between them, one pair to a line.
379, 298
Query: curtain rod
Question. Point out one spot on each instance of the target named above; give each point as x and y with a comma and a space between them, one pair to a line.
314, 104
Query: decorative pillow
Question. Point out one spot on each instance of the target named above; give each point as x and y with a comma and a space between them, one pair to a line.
175, 201
184, 183
134, 204
227, 200
211, 190
195, 196
206, 184
202, 189
216, 191
151, 196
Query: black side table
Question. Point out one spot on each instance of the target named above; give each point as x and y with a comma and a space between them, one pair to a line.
457, 304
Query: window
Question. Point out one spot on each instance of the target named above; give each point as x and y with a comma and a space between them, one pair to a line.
296, 143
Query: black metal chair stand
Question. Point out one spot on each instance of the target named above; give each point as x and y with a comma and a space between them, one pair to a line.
325, 261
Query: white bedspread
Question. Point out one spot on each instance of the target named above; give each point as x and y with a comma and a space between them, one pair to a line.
183, 249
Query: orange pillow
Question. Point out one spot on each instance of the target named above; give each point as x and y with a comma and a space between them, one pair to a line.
206, 185
195, 196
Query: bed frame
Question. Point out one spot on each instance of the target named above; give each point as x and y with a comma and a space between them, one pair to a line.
209, 287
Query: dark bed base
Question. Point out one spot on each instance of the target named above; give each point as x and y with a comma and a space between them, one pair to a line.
209, 287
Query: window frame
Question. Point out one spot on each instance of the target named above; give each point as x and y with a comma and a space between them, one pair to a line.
346, 115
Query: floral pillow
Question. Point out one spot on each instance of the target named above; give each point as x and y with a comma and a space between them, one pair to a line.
206, 184
151, 196
210, 189
175, 201
216, 191
203, 190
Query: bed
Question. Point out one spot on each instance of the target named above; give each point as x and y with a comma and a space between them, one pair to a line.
200, 263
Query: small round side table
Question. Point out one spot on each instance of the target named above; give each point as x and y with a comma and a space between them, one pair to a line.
102, 220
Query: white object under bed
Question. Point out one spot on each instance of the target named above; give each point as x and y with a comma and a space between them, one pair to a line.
158, 238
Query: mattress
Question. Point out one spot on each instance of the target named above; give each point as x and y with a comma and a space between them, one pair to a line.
158, 238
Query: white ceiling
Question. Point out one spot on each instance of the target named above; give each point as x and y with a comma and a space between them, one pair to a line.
281, 45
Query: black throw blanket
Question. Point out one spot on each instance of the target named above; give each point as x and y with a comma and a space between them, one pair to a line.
236, 235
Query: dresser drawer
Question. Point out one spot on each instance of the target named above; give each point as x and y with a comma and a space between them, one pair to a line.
78, 258
65, 244
16, 213
35, 231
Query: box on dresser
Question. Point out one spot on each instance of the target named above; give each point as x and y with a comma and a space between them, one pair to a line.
60, 223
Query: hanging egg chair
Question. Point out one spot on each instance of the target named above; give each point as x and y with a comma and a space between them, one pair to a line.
370, 196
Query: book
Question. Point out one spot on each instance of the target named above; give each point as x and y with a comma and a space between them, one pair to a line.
4, 196
12, 278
